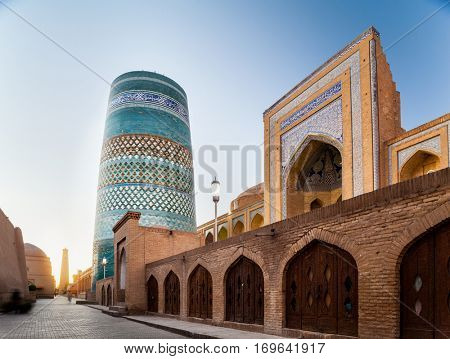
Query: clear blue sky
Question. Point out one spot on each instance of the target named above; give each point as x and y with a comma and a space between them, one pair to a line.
233, 58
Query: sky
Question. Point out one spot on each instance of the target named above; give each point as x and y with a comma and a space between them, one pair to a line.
233, 58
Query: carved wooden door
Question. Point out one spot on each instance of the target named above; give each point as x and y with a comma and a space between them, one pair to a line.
172, 294
425, 287
152, 295
200, 293
245, 293
321, 291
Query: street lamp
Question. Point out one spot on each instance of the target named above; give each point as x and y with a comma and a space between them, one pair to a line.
104, 261
215, 188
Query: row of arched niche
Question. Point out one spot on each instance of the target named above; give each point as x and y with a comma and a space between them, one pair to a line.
320, 285
238, 228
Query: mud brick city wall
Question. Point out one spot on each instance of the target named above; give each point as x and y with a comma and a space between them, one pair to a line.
375, 228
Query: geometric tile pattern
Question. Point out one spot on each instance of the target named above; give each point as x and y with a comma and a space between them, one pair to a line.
311, 105
140, 98
145, 171
139, 197
133, 146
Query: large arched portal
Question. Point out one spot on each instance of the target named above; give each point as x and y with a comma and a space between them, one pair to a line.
152, 294
103, 300
421, 163
172, 294
321, 287
314, 178
425, 286
245, 292
200, 293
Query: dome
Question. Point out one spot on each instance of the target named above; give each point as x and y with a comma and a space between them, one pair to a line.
33, 251
258, 190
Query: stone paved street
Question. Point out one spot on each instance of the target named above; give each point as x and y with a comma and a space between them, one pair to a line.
57, 318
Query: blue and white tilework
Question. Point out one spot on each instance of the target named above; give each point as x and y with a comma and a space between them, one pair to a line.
297, 115
433, 145
325, 125
140, 98
374, 97
352, 63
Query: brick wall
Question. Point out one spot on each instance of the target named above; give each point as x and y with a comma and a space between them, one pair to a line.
144, 245
375, 228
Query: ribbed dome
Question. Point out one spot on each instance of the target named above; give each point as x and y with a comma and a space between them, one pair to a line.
32, 250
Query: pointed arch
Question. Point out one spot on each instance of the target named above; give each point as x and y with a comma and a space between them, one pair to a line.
172, 294
238, 228
209, 238
244, 292
200, 293
109, 296
418, 164
257, 221
152, 294
223, 234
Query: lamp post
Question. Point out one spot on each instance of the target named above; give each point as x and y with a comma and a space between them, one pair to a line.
104, 261
215, 187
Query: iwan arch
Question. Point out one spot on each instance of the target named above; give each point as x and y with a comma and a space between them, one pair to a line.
352, 218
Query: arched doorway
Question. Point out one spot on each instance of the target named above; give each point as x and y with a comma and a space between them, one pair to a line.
109, 296
421, 163
152, 294
103, 295
122, 269
223, 234
321, 286
245, 292
200, 293
238, 228
425, 286
315, 173
172, 294
209, 238
257, 221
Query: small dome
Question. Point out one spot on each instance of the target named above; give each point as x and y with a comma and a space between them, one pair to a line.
32, 250
258, 190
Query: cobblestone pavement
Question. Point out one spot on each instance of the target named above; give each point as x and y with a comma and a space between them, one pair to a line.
57, 318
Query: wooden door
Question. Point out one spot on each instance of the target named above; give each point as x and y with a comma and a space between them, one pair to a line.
200, 293
172, 294
245, 292
321, 290
152, 294
425, 287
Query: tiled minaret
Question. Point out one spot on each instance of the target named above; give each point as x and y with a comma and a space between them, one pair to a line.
146, 161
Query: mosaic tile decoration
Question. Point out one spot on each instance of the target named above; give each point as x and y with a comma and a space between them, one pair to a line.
409, 138
432, 144
142, 78
139, 196
148, 171
351, 63
325, 126
311, 105
327, 121
141, 146
140, 98
374, 98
